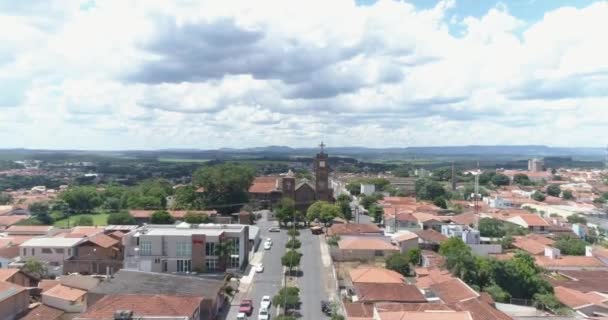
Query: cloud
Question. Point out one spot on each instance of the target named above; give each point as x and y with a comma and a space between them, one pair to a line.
154, 74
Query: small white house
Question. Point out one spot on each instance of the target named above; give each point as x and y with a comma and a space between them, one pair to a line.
368, 189
53, 251
467, 234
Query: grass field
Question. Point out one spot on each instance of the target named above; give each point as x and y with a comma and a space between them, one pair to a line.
100, 219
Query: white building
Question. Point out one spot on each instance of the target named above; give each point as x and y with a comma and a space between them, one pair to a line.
467, 234
499, 203
368, 189
52, 251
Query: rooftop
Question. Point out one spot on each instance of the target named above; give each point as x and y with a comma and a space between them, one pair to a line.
534, 244
365, 243
47, 242
389, 292
576, 299
64, 292
454, 290
143, 305
264, 184
353, 229
425, 315
43, 312
8, 289
359, 311
404, 236
430, 235
7, 273
584, 281
103, 241
569, 261
36, 229
375, 275
210, 229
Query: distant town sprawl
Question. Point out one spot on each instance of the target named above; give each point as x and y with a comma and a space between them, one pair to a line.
314, 236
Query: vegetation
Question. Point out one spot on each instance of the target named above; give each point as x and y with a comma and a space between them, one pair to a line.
575, 218
99, 219
291, 259
35, 267
288, 298
333, 240
538, 196
286, 212
431, 190
5, 198
196, 218
293, 244
225, 186
567, 195
322, 211
354, 186
343, 203
414, 256
398, 262
522, 179
223, 250
121, 218
84, 220
554, 190
81, 199
571, 246
293, 233
161, 217
500, 179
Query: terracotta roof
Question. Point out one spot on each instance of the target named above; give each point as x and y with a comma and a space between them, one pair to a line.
432, 259
569, 261
454, 290
465, 218
534, 220
576, 299
143, 305
395, 306
430, 276
117, 234
43, 312
264, 185
359, 311
480, 310
398, 200
375, 275
404, 236
10, 252
7, 273
64, 292
46, 284
424, 217
8, 289
533, 244
87, 231
430, 235
103, 241
365, 243
353, 229
390, 292
28, 229
584, 281
10, 220
425, 315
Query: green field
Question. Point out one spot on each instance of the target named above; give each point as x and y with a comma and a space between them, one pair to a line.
100, 219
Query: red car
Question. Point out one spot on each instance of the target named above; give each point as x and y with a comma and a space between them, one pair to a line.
246, 307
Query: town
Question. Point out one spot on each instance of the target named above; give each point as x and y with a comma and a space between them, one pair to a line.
307, 241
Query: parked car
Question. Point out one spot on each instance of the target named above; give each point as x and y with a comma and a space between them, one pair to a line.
274, 229
267, 245
264, 314
259, 268
326, 307
241, 316
265, 304
269, 240
246, 307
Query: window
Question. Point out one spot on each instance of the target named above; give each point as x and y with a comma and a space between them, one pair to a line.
59, 250
183, 265
165, 265
235, 245
47, 250
156, 261
24, 252
145, 247
184, 249
54, 264
234, 261
210, 248
33, 251
211, 264
378, 253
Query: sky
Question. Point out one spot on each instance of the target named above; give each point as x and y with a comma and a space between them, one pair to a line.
149, 74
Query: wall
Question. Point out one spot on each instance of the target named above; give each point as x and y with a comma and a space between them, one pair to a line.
11, 307
65, 305
485, 249
80, 282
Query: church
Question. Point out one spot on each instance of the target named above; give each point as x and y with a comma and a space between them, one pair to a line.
269, 190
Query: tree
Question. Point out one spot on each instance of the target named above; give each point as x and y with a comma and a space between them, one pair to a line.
293, 233
492, 228
376, 212
286, 211
121, 218
486, 177
37, 208
223, 250
35, 267
571, 246
453, 245
554, 190
186, 198
538, 196
333, 240
345, 209
520, 276
367, 201
567, 195
291, 259
398, 262
81, 199
522, 179
288, 298
196, 217
343, 198
161, 217
440, 202
353, 188
84, 221
322, 211
293, 244
5, 198
500, 179
226, 186
428, 190
285, 317
498, 294
506, 242
112, 204
575, 218
414, 256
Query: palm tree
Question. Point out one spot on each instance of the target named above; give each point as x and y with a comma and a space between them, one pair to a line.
223, 250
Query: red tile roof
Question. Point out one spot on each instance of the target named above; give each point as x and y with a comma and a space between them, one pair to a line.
104, 241
64, 292
365, 243
353, 229
430, 235
7, 273
431, 276
465, 218
47, 284
359, 311
10, 220
8, 289
425, 315
454, 290
264, 184
375, 275
143, 305
388, 292
534, 244
576, 299
10, 252
569, 261
480, 310
584, 281
43, 312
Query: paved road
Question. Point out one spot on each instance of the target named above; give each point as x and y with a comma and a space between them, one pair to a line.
314, 279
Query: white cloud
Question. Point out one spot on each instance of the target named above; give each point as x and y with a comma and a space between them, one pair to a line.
154, 74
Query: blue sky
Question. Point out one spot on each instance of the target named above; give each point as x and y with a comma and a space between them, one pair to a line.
142, 74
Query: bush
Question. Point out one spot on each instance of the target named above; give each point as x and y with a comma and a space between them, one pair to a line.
161, 217
333, 240
500, 180
567, 195
571, 246
291, 259
121, 218
84, 221
498, 294
196, 218
398, 262
288, 297
293, 244
293, 233
575, 218
554, 190
538, 196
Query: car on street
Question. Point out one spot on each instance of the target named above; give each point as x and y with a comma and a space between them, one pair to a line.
246, 306
264, 314
259, 268
267, 245
241, 316
274, 229
265, 304
269, 240
326, 307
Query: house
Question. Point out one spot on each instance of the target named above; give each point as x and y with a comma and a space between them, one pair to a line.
395, 220
14, 300
65, 298
363, 248
387, 292
531, 222
186, 248
359, 311
424, 315
590, 304
453, 290
534, 244
480, 309
353, 229
98, 254
426, 277
375, 275
552, 260
582, 280
468, 219
464, 232
405, 241
145, 307
8, 221
43, 312
8, 254
41, 231
430, 221
431, 259
16, 276
52, 251
126, 282
430, 239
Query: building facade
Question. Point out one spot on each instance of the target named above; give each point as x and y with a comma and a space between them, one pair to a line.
187, 248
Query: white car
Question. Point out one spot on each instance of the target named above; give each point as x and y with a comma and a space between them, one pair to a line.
264, 314
269, 240
265, 304
267, 246
241, 316
259, 268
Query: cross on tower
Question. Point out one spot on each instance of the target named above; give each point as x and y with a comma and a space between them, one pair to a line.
322, 145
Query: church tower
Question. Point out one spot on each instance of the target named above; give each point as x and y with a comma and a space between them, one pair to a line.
321, 167
289, 185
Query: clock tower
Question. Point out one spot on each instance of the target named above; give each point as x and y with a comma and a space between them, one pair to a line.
321, 167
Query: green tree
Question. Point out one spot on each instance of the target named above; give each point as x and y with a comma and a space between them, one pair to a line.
353, 188
322, 211
288, 298
414, 256
81, 199
506, 242
293, 233
538, 196
376, 212
293, 244
84, 221
453, 245
554, 190
498, 294
121, 218
428, 190
367, 201
500, 179
570, 246
398, 262
161, 217
440, 202
333, 240
112, 204
291, 259
345, 209
492, 228
196, 217
567, 195
5, 198
343, 198
226, 186
186, 198
520, 276
486, 177
223, 250
575, 218
35, 267
522, 179
60, 206
285, 211
37, 208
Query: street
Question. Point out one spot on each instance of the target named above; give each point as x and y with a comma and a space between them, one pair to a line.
314, 280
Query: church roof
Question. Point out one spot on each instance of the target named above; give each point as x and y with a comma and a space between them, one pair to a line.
305, 182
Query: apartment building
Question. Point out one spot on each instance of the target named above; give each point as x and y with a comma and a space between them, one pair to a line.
185, 248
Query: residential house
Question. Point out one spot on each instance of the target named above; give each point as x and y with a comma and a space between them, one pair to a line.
590, 304
387, 292
65, 298
426, 277
375, 275
359, 311
405, 241
98, 254
430, 239
16, 276
52, 251
534, 244
126, 282
43, 312
431, 259
362, 248
453, 291
468, 219
396, 221
552, 260
14, 300
9, 253
145, 307
582, 280
186, 248
464, 232
40, 231
529, 221
423, 315
354, 229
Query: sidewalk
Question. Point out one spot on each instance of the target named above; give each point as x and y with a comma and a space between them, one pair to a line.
245, 285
